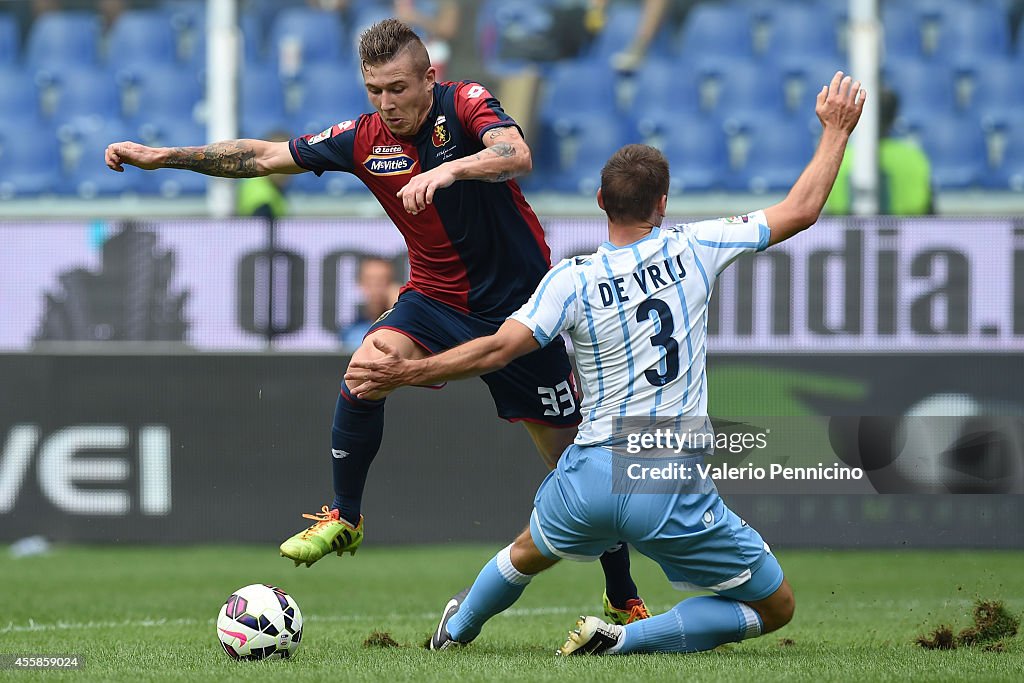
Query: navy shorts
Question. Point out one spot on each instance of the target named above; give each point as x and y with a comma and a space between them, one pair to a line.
537, 387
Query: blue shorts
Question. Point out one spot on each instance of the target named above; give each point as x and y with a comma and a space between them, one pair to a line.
537, 387
699, 543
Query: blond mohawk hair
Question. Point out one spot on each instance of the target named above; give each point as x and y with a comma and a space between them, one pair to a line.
386, 40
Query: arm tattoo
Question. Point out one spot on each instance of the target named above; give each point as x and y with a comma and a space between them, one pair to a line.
232, 159
503, 150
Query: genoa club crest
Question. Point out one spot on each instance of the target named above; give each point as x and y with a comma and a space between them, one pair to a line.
441, 135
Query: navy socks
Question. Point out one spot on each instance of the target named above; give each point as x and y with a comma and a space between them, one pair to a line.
618, 583
355, 439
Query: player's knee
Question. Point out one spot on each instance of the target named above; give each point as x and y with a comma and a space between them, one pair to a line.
370, 396
784, 612
526, 557
777, 611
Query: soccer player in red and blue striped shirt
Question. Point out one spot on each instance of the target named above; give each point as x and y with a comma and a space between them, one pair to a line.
441, 158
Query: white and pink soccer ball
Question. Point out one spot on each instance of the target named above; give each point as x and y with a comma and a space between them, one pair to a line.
259, 621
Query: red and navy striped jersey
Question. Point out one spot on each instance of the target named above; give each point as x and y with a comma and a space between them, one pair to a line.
479, 247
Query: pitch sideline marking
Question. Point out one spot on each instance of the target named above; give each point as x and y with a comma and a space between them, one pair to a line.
33, 626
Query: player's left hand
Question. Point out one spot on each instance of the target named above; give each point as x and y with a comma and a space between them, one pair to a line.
840, 103
419, 192
382, 374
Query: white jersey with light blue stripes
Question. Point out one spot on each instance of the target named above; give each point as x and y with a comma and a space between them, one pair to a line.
637, 317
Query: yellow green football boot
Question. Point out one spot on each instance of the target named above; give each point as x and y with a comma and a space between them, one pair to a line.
635, 611
328, 534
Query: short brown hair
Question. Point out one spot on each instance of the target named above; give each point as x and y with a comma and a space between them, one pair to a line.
633, 181
387, 39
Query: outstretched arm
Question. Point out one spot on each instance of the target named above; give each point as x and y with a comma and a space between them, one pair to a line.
505, 155
839, 107
228, 159
476, 357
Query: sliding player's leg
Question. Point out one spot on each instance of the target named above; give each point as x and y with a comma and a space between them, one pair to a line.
705, 622
622, 602
498, 585
703, 546
355, 439
559, 528
543, 410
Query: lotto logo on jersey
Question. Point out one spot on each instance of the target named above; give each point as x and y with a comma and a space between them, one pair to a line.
441, 135
389, 164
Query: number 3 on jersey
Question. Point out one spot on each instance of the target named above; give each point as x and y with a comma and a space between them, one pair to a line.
557, 400
664, 327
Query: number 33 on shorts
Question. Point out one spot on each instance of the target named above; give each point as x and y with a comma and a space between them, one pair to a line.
558, 400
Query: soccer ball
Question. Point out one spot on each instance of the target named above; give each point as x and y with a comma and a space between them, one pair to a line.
259, 621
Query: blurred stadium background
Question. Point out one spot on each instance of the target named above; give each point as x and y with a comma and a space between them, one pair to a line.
164, 363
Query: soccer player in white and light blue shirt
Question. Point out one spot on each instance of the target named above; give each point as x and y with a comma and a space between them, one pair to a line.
636, 311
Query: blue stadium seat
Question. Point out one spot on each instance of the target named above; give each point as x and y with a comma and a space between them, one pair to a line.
971, 28
619, 28
501, 23
330, 93
802, 81
20, 99
901, 32
188, 20
366, 15
996, 92
29, 161
925, 88
251, 43
1009, 173
185, 15
582, 145
698, 155
142, 37
577, 86
662, 85
777, 151
265, 11
717, 30
828, 11
330, 183
316, 35
63, 38
172, 183
801, 29
837, 14
86, 92
261, 101
746, 84
88, 175
173, 132
163, 91
10, 39
254, 47
957, 150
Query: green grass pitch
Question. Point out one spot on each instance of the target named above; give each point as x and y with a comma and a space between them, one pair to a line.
146, 613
